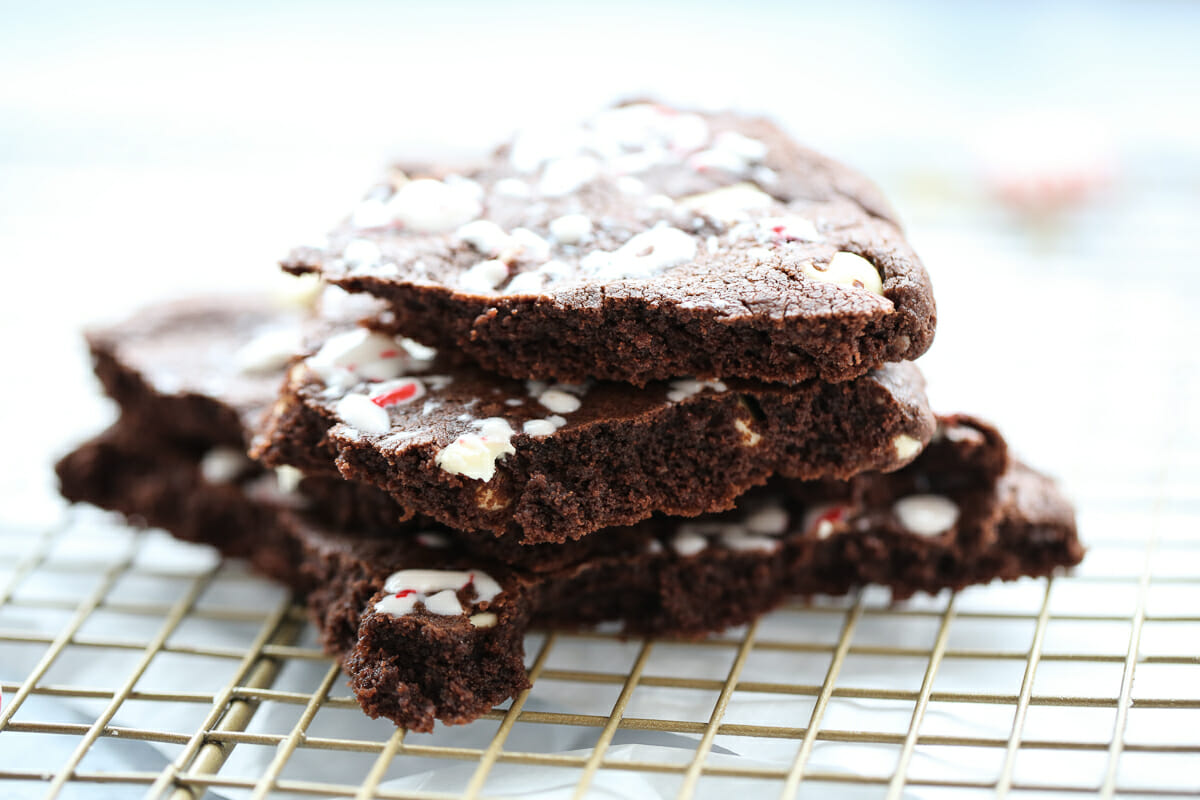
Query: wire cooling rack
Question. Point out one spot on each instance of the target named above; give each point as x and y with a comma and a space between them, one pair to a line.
1086, 683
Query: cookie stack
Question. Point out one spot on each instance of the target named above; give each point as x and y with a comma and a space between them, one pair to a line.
653, 368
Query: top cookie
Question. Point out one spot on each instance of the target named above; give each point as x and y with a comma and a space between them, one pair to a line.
645, 244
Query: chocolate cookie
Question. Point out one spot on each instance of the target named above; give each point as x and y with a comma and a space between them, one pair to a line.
552, 462
645, 244
429, 628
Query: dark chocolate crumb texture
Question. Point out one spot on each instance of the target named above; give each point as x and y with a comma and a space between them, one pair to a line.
429, 629
643, 244
550, 462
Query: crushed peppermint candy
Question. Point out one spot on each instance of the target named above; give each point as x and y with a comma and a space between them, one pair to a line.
269, 351
436, 590
926, 514
684, 388
822, 520
223, 464
362, 355
646, 254
559, 402
431, 206
571, 228
397, 392
485, 236
484, 276
474, 455
362, 413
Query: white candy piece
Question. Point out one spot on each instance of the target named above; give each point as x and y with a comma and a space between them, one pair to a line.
744, 147
791, 227
729, 204
813, 519
743, 542
926, 514
427, 581
847, 269
906, 447
360, 412
444, 603
361, 253
484, 619
562, 176
526, 283
484, 276
269, 351
288, 478
539, 427
571, 228
687, 387
485, 236
475, 455
646, 254
358, 355
688, 543
559, 402
532, 247
433, 540
222, 464
397, 606
387, 387
429, 206
771, 520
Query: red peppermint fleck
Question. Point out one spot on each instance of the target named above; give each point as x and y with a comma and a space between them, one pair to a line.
400, 394
389, 353
779, 229
832, 516
405, 592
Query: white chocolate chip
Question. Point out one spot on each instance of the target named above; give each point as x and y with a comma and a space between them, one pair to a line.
361, 253
484, 276
770, 519
539, 427
531, 246
646, 254
729, 204
526, 283
360, 412
222, 464
475, 455
744, 147
429, 206
433, 540
739, 540
444, 603
485, 236
750, 437
562, 176
426, 581
847, 269
559, 402
359, 355
688, 543
926, 514
571, 228
790, 228
484, 619
268, 352
684, 388
906, 447
288, 478
396, 606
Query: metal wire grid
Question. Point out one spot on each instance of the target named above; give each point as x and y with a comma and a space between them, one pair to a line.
199, 757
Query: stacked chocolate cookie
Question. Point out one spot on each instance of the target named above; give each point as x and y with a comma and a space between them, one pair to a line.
652, 368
